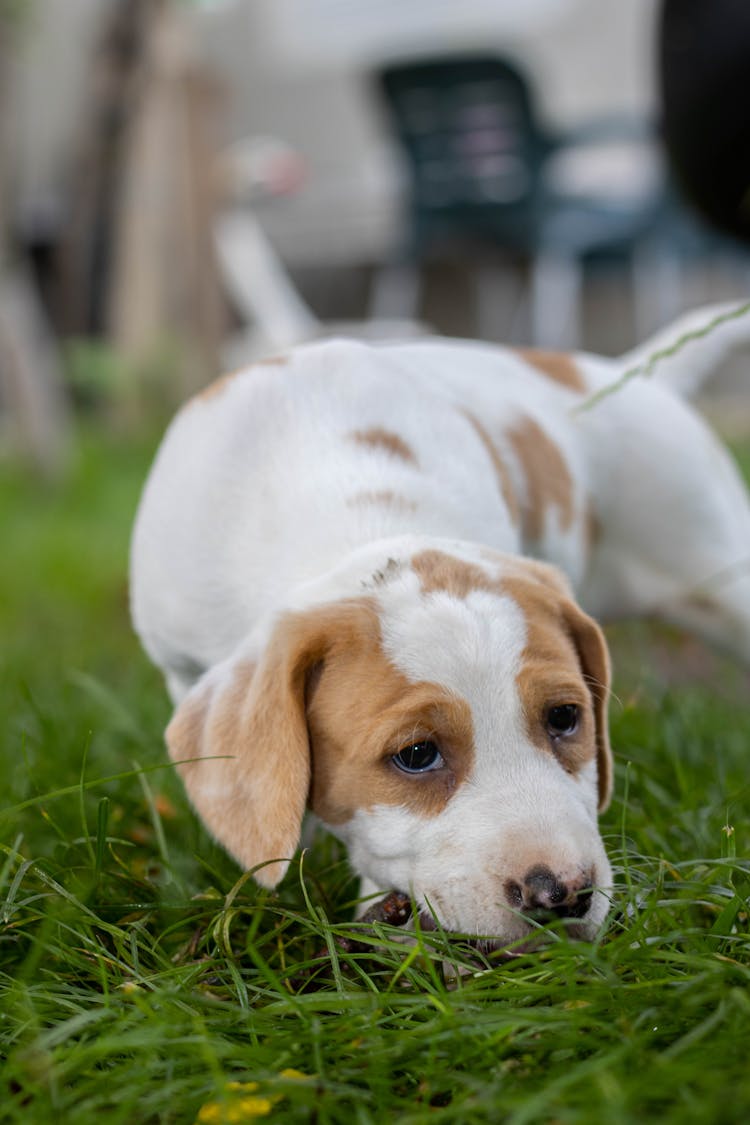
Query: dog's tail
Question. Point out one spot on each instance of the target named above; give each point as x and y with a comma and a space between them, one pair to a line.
686, 354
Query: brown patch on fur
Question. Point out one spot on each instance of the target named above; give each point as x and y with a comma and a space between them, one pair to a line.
501, 470
548, 480
362, 712
565, 660
438, 571
558, 366
378, 438
524, 567
385, 497
220, 384
318, 718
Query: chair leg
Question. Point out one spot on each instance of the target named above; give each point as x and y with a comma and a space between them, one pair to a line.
395, 292
498, 299
556, 290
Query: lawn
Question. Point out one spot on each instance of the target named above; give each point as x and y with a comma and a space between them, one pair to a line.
144, 979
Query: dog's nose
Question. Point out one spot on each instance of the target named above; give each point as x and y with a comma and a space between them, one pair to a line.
543, 896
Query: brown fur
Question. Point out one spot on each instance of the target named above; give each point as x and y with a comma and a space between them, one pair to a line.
319, 718
250, 786
565, 661
558, 366
218, 385
438, 571
548, 481
386, 440
504, 481
363, 711
386, 497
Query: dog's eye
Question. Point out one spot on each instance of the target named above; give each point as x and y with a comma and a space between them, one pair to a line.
562, 720
420, 757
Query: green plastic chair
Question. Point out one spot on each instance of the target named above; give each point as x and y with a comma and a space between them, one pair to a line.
478, 160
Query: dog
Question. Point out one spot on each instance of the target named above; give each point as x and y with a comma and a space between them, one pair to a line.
372, 576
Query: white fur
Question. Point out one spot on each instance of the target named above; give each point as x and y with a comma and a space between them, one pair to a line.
251, 511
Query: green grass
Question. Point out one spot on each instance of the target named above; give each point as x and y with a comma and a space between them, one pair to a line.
141, 973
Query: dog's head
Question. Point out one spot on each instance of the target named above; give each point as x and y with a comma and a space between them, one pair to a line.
449, 723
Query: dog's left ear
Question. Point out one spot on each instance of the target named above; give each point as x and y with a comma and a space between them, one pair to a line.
594, 657
241, 743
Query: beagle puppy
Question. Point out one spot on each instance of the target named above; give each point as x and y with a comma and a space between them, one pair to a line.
370, 575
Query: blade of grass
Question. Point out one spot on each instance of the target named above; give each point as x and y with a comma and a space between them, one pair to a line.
102, 820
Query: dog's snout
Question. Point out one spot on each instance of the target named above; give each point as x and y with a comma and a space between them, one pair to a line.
543, 896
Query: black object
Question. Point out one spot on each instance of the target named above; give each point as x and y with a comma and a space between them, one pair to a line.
704, 74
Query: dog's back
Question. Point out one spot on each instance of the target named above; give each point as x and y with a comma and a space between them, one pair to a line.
270, 477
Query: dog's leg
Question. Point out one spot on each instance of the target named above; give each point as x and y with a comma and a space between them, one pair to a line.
718, 609
708, 530
713, 595
675, 518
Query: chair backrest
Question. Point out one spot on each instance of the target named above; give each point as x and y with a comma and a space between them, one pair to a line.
469, 130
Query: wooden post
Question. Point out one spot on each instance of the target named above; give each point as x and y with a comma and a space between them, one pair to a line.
139, 264
114, 82
33, 405
165, 280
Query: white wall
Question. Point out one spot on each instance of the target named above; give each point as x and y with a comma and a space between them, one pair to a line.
588, 57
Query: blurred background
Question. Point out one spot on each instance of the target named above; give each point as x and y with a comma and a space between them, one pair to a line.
186, 186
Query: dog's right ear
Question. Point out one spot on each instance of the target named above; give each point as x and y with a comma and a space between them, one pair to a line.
240, 741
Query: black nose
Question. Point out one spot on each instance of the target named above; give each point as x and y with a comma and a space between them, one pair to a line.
543, 897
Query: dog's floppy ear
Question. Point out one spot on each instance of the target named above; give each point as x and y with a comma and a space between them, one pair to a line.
594, 657
241, 743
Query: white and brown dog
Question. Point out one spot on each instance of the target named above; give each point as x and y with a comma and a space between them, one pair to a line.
335, 566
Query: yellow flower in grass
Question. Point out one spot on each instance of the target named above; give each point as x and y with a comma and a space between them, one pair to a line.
243, 1103
214, 1113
